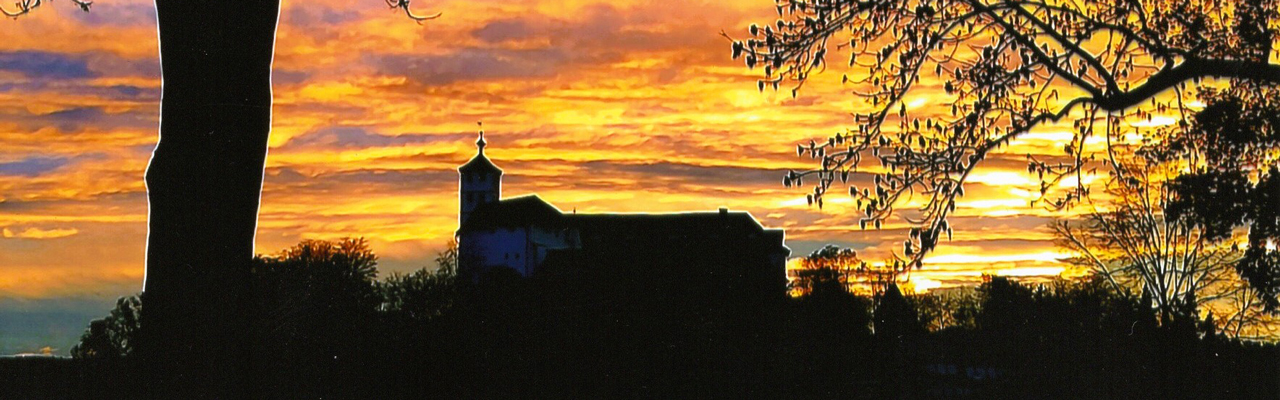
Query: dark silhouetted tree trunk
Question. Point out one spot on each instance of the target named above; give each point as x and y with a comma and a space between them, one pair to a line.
204, 183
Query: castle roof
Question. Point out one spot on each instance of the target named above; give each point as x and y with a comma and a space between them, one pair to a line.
531, 210
512, 212
667, 222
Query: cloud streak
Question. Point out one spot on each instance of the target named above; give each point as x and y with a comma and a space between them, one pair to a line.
37, 233
44, 65
32, 166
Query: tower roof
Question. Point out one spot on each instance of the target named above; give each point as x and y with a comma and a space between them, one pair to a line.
479, 163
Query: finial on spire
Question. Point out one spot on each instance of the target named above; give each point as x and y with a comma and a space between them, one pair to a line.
480, 142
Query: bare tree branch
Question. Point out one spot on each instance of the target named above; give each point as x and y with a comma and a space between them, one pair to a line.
408, 12
1006, 64
24, 7
1136, 247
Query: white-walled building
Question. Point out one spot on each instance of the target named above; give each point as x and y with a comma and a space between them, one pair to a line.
521, 233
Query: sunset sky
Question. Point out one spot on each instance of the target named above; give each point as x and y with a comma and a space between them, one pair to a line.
624, 106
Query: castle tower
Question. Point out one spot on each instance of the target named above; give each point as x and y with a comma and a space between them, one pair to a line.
480, 182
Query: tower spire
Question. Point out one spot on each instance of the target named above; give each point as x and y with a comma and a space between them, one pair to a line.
480, 182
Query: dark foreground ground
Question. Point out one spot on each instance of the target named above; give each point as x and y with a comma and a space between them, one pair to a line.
574, 333
945, 377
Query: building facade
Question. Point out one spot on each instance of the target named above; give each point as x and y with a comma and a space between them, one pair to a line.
523, 233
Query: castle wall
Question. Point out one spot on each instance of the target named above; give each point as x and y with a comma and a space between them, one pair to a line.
544, 240
504, 247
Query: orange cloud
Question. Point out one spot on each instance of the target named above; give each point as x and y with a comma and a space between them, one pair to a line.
37, 233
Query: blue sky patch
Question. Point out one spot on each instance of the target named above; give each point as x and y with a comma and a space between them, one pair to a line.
32, 166
40, 64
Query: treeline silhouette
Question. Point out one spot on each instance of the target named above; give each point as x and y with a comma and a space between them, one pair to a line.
662, 327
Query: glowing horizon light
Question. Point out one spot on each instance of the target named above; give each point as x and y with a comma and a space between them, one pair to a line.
1000, 178
1156, 121
794, 202
992, 203
1072, 180
1031, 271
923, 285
1046, 256
917, 103
1023, 193
37, 233
1053, 136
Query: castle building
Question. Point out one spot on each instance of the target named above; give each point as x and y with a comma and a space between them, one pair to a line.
523, 233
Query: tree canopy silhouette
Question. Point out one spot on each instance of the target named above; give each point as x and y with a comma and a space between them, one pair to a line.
1230, 151
832, 266
114, 336
316, 309
318, 281
581, 330
1007, 65
423, 294
825, 269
